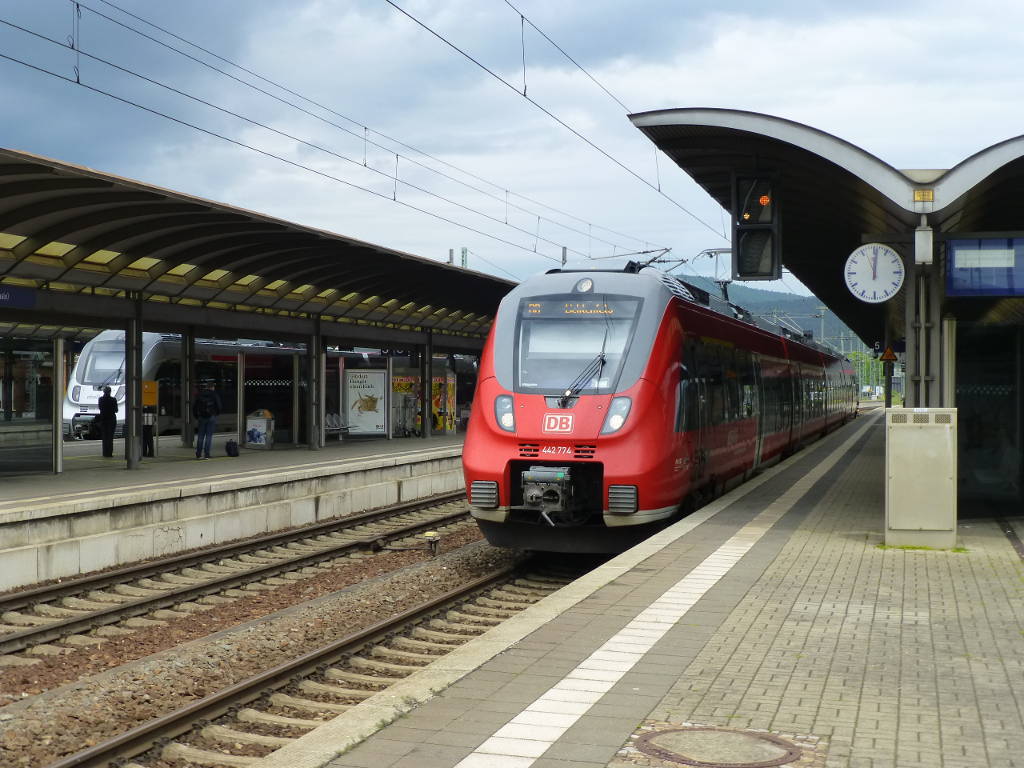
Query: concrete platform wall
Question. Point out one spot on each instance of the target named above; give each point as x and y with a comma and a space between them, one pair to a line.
72, 538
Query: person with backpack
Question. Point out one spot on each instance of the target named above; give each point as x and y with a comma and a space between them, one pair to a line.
206, 409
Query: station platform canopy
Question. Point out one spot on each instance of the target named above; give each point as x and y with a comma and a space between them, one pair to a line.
77, 244
833, 196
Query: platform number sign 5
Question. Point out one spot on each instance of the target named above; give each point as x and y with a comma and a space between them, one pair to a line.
558, 422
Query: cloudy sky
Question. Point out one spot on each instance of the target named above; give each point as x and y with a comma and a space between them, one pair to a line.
921, 85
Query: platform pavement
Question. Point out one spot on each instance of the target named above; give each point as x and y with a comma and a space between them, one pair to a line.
861, 656
91, 474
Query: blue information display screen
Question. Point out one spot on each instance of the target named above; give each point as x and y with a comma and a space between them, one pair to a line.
985, 267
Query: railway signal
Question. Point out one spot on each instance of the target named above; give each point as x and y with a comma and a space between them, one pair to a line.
756, 245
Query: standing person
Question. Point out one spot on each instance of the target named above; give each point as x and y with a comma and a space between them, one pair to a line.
108, 421
206, 409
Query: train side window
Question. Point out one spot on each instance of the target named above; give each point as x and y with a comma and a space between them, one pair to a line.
748, 390
731, 400
168, 381
716, 386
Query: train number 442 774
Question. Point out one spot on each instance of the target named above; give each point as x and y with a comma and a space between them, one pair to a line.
557, 450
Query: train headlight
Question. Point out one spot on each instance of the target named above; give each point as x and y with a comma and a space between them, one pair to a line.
504, 412
617, 413
76, 393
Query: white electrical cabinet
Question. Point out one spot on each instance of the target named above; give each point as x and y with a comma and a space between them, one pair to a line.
920, 477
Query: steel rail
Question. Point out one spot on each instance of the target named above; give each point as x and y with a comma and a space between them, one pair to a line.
147, 735
69, 587
45, 633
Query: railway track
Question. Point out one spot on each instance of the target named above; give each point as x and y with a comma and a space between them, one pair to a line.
86, 611
242, 723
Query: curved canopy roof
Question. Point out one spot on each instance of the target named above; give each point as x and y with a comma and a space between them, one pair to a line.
72, 230
833, 196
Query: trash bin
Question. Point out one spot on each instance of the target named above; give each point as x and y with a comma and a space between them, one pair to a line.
259, 429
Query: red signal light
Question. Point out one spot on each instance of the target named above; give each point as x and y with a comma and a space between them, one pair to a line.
764, 200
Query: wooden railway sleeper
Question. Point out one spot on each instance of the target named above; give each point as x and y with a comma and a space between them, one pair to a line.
455, 628
484, 622
311, 686
255, 716
424, 646
414, 658
58, 612
190, 755
389, 668
487, 612
440, 637
345, 676
231, 735
307, 705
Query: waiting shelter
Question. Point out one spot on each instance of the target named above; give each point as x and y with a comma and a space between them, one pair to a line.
82, 251
958, 319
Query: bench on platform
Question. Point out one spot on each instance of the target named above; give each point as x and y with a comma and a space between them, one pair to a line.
333, 425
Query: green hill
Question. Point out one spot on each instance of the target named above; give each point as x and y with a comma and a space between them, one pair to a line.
804, 311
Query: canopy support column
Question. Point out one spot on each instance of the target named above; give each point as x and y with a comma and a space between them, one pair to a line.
888, 365
240, 397
133, 386
389, 427
188, 372
426, 386
59, 385
912, 374
314, 374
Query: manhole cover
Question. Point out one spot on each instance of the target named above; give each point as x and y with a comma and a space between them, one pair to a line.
717, 748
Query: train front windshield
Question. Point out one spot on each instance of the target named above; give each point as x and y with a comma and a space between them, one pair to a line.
566, 341
104, 364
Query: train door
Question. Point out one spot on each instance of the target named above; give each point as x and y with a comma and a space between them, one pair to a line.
700, 426
796, 404
759, 410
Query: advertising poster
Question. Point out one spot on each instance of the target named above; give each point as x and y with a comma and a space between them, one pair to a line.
442, 403
405, 416
366, 401
451, 415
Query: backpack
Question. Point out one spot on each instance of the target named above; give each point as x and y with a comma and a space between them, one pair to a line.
203, 407
231, 447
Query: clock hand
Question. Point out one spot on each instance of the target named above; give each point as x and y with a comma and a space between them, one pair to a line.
874, 267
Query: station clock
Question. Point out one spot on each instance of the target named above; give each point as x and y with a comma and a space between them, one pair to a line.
874, 273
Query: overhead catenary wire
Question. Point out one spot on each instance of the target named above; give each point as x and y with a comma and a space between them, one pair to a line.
564, 53
395, 179
365, 129
555, 117
266, 153
488, 261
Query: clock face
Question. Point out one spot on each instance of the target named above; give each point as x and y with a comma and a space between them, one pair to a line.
874, 273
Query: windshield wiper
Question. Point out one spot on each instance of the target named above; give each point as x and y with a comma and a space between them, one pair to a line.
594, 368
116, 376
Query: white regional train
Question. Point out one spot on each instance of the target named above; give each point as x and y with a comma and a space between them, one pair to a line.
102, 364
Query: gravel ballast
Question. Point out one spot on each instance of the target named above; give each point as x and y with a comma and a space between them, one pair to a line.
316, 611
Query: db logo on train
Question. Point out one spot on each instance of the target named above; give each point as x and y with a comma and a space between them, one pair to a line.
557, 422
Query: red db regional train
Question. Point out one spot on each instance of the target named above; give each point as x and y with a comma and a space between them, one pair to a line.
611, 402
